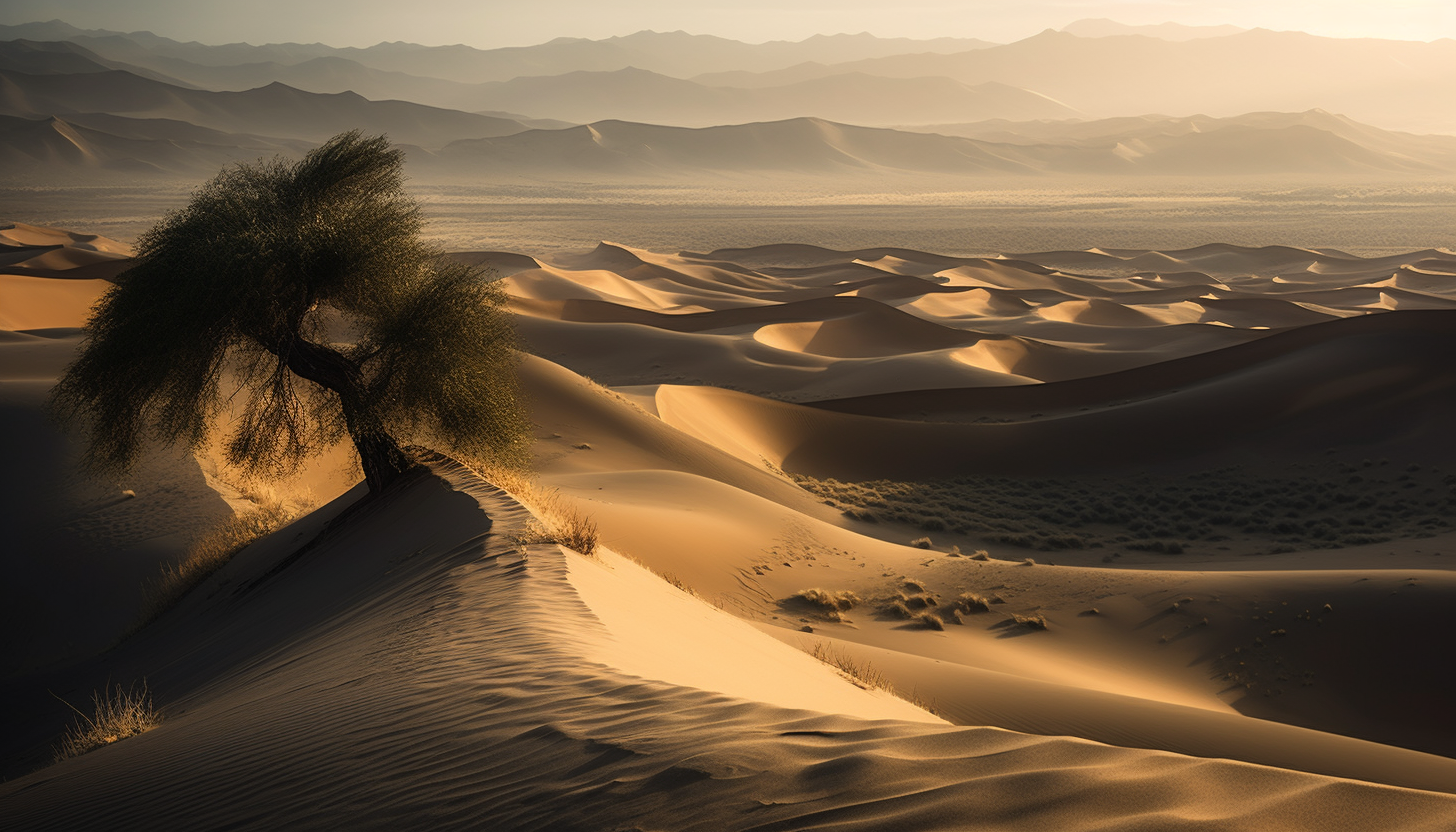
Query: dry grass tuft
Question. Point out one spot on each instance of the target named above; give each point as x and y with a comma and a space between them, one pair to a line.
862, 673
125, 713
213, 550
1031, 622
825, 600
971, 602
676, 582
930, 621
556, 520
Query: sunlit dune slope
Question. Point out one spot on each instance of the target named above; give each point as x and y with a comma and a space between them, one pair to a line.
804, 323
413, 661
422, 654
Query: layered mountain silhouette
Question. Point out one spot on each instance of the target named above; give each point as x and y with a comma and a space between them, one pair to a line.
642, 106
1314, 142
1395, 84
671, 53
273, 110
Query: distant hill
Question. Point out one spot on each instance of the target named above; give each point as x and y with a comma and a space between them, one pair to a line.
101, 102
60, 150
65, 58
1396, 84
676, 54
275, 110
1142, 135
1103, 28
1261, 144
638, 95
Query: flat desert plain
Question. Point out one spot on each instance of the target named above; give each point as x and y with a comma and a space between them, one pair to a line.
888, 538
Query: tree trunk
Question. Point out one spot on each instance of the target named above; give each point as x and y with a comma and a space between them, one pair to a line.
380, 456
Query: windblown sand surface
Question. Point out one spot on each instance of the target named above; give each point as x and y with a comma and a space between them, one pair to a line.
781, 419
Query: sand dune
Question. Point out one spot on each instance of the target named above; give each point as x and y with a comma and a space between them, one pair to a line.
1301, 144
415, 657
525, 667
1055, 316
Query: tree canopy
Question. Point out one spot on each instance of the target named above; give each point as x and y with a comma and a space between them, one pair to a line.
308, 284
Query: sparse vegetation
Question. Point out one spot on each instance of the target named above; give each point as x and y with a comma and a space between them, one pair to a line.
125, 712
555, 519
213, 550
862, 673
825, 600
1317, 505
1030, 622
312, 280
971, 602
930, 621
559, 522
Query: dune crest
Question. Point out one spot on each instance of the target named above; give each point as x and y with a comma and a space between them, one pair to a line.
1065, 515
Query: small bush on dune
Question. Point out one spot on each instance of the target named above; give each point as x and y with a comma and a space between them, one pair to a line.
124, 713
921, 543
825, 600
971, 602
930, 621
557, 521
212, 551
862, 673
1031, 622
897, 609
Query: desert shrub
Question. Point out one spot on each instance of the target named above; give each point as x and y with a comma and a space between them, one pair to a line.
124, 713
897, 609
825, 600
971, 602
1166, 547
1065, 541
1031, 622
862, 673
917, 601
921, 543
930, 621
211, 552
555, 520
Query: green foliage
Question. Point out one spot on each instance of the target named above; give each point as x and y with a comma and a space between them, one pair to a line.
309, 283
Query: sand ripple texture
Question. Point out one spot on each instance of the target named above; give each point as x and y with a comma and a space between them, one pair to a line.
417, 669
804, 323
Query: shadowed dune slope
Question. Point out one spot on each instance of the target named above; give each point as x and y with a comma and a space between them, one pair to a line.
1381, 384
422, 657
1411, 339
806, 323
413, 662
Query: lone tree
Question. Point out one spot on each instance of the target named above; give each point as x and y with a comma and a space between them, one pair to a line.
310, 285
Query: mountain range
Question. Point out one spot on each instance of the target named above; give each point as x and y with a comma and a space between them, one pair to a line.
1259, 144
655, 105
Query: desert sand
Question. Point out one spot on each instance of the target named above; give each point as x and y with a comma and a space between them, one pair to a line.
745, 425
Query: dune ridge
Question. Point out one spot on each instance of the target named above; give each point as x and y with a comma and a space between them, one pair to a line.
373, 664
503, 685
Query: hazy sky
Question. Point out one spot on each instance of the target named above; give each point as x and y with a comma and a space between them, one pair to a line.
490, 23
